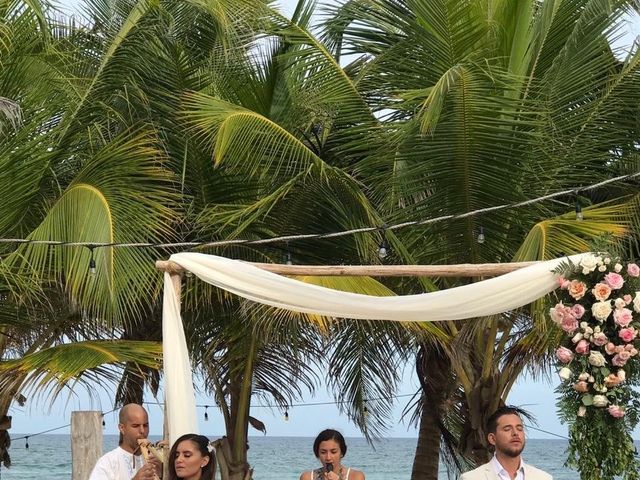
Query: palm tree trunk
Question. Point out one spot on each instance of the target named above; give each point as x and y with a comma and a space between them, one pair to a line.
427, 457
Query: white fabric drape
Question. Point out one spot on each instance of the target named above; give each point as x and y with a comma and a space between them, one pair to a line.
492, 296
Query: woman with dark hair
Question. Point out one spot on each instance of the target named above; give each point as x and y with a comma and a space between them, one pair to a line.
192, 458
329, 447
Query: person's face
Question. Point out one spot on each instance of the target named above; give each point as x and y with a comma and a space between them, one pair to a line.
329, 452
509, 437
136, 426
189, 461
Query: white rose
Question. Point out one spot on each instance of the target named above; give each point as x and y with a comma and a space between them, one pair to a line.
636, 302
617, 267
565, 373
607, 260
600, 401
597, 330
588, 262
622, 375
597, 359
601, 310
576, 338
584, 376
602, 268
620, 303
591, 379
582, 411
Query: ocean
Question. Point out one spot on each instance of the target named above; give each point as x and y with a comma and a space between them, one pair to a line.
276, 458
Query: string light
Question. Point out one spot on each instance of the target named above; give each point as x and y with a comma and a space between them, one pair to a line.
481, 238
286, 415
92, 261
365, 410
287, 259
579, 215
289, 238
206, 414
26, 443
383, 250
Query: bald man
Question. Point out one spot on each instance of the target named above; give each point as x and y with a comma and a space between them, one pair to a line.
126, 462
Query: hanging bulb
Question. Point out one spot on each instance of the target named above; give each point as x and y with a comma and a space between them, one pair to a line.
480, 239
288, 259
104, 424
383, 250
579, 216
365, 410
26, 444
206, 414
286, 416
92, 263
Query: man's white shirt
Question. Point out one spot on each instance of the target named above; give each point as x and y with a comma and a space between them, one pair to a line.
118, 464
503, 474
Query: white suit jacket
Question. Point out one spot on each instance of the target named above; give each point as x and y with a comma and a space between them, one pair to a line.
487, 472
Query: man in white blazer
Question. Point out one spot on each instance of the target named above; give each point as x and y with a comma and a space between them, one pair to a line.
506, 434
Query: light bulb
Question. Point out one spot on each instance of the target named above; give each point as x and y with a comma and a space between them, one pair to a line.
286, 416
579, 215
383, 251
289, 261
92, 266
480, 239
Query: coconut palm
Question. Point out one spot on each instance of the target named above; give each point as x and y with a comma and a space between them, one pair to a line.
493, 103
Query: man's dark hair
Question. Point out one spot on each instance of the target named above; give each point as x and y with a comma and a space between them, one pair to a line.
492, 421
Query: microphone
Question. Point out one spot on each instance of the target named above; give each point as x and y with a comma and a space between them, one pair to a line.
329, 467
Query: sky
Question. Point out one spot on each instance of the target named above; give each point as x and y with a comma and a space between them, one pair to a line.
535, 396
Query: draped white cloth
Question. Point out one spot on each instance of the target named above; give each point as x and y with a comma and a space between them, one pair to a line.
489, 297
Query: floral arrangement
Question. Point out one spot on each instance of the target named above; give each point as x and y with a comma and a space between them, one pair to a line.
599, 314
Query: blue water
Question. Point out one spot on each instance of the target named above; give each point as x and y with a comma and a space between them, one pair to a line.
276, 458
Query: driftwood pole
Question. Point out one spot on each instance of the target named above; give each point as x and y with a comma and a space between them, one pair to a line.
176, 272
462, 270
86, 443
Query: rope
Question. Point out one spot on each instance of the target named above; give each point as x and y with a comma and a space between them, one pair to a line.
292, 238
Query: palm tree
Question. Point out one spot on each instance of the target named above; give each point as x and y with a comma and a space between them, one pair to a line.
493, 103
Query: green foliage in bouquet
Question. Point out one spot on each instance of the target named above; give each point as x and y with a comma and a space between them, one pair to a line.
599, 312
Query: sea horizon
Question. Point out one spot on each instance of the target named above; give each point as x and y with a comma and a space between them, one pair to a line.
276, 457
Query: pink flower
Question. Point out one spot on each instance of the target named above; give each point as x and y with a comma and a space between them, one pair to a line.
622, 316
582, 347
614, 280
599, 339
577, 289
612, 380
627, 299
610, 348
633, 270
620, 360
581, 387
616, 411
577, 310
557, 313
563, 282
564, 354
569, 324
627, 335
601, 291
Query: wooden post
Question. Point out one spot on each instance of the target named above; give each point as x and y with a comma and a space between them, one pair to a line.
86, 443
462, 270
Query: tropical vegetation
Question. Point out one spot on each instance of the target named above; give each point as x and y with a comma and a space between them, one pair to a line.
163, 121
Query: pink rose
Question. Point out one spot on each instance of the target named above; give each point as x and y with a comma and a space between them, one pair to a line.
577, 310
582, 347
599, 339
577, 289
627, 299
557, 313
564, 354
620, 360
601, 291
563, 282
633, 270
627, 335
612, 380
569, 324
616, 411
581, 387
614, 280
610, 348
622, 316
